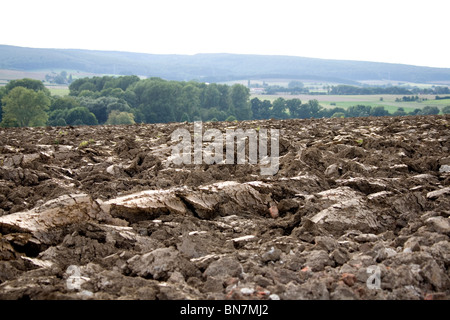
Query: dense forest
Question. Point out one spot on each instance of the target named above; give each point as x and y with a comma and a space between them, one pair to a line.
156, 100
129, 100
122, 100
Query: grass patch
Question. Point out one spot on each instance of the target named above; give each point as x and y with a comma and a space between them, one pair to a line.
59, 91
84, 144
346, 101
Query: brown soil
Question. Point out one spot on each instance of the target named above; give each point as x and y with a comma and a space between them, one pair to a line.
113, 218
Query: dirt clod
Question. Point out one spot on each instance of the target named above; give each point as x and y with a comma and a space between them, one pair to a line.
340, 219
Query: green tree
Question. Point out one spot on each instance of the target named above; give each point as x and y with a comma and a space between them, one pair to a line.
429, 110
416, 111
66, 102
296, 85
81, 116
314, 108
328, 113
208, 114
158, 99
256, 108
446, 110
60, 122
240, 99
74, 87
400, 112
89, 94
266, 107
122, 82
294, 107
119, 105
185, 118
2, 94
31, 84
279, 109
58, 117
102, 107
379, 111
358, 111
87, 86
211, 96
189, 101
25, 106
139, 117
59, 79
225, 98
130, 97
311, 109
117, 117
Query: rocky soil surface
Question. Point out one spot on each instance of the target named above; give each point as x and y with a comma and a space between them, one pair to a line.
359, 209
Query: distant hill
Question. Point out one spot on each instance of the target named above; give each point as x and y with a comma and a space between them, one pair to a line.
215, 67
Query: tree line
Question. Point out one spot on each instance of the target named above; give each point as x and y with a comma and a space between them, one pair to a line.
353, 90
122, 100
296, 87
294, 109
129, 100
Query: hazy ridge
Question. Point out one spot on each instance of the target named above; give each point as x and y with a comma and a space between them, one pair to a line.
215, 67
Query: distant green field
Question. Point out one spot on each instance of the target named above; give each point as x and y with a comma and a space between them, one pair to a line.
55, 89
59, 91
345, 101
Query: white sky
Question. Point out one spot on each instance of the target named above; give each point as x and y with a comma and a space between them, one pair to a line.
399, 31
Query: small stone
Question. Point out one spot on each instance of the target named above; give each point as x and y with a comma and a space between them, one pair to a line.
444, 168
160, 264
262, 281
231, 281
434, 275
436, 296
340, 256
176, 277
247, 291
412, 244
17, 159
213, 285
244, 238
306, 269
287, 205
273, 254
333, 171
439, 224
400, 167
385, 253
348, 278
343, 293
318, 259
379, 195
224, 267
366, 237
437, 193
86, 293
193, 246
273, 210
110, 169
327, 243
